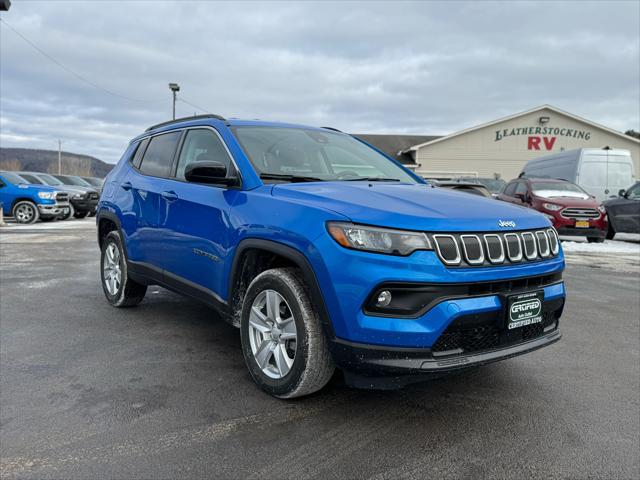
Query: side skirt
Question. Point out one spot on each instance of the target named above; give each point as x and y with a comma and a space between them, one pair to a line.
151, 275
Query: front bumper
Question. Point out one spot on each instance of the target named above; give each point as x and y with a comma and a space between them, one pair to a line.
367, 366
582, 232
53, 209
84, 204
567, 226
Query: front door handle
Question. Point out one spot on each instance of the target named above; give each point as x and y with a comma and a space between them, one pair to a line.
169, 196
126, 185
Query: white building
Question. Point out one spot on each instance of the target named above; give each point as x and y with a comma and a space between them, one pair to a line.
503, 146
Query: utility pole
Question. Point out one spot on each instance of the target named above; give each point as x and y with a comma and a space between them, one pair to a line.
59, 157
175, 88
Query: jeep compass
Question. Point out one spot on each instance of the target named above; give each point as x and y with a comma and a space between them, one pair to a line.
326, 254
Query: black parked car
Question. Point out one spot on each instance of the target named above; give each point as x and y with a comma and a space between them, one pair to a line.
624, 211
466, 187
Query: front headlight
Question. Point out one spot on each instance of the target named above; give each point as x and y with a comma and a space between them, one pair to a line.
47, 195
376, 239
552, 207
602, 209
77, 196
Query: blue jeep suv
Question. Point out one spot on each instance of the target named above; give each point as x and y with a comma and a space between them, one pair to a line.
326, 253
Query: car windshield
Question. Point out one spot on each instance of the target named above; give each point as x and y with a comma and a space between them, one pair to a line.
298, 154
96, 182
13, 178
32, 179
492, 184
72, 180
558, 189
49, 179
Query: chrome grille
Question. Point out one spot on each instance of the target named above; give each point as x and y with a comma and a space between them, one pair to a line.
497, 248
580, 213
514, 247
543, 244
472, 247
93, 195
62, 197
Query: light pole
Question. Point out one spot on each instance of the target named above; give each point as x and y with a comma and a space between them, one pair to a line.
175, 88
59, 157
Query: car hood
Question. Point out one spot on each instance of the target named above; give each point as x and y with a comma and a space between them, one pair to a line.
569, 201
413, 207
39, 188
73, 189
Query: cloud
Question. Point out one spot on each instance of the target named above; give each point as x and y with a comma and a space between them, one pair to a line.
378, 67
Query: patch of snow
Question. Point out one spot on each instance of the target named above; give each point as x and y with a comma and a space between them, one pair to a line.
609, 246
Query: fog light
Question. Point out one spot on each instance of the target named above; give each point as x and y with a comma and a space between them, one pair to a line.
384, 299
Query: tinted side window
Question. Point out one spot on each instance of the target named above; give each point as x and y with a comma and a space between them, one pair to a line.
521, 188
510, 189
201, 145
634, 193
137, 158
158, 158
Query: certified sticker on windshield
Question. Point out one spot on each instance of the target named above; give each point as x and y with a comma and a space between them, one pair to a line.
525, 309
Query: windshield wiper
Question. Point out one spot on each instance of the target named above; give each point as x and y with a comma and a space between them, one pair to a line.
290, 178
372, 179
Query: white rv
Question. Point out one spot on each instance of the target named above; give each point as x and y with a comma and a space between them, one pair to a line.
602, 173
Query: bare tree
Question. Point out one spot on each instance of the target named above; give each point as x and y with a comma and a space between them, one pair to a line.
13, 165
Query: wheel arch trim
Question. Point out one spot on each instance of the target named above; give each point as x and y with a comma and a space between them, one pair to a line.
294, 255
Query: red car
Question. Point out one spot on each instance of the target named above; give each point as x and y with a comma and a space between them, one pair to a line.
571, 210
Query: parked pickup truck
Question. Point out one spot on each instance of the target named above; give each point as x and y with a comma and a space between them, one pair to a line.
28, 203
326, 253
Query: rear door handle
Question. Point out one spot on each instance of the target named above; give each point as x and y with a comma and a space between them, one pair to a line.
169, 196
126, 185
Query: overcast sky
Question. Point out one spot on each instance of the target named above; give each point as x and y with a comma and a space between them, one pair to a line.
366, 67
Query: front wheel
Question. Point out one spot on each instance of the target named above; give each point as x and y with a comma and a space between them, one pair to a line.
595, 239
610, 232
120, 290
283, 344
25, 212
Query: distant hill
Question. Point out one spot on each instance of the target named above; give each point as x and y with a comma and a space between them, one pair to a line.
47, 161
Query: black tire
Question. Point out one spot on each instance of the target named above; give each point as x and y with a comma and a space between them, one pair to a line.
80, 214
595, 239
610, 232
25, 212
312, 365
92, 213
69, 214
128, 292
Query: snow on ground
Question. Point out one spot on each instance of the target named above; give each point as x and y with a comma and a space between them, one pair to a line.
609, 246
84, 223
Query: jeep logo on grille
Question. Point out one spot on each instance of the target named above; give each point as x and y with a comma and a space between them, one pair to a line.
524, 309
507, 223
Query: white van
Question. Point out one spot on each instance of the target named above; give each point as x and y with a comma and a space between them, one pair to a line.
601, 172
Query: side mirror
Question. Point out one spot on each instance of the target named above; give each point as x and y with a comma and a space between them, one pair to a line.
622, 192
210, 172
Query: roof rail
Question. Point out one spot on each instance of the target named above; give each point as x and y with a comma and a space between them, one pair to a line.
185, 119
332, 128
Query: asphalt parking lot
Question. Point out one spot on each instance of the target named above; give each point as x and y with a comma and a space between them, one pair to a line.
161, 390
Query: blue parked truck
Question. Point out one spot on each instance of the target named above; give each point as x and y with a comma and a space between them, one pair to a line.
326, 253
28, 203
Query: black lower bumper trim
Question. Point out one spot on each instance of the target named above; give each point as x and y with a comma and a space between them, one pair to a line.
372, 366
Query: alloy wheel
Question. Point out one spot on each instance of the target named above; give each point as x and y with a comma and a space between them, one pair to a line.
111, 271
272, 334
24, 213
